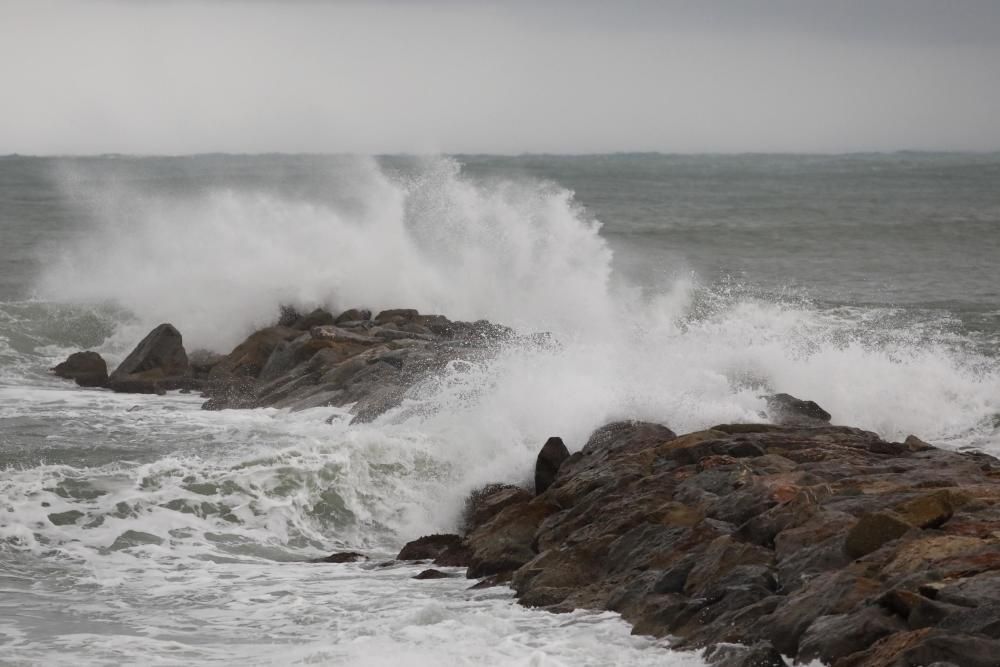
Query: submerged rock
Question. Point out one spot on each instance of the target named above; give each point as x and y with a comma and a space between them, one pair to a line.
341, 557
88, 369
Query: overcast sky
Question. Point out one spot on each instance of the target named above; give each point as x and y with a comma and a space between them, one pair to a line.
177, 76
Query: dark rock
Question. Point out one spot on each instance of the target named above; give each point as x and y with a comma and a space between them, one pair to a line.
832, 637
288, 316
431, 574
249, 357
341, 557
553, 454
353, 315
872, 531
396, 316
786, 409
485, 503
88, 369
430, 547
159, 355
761, 654
316, 318
506, 542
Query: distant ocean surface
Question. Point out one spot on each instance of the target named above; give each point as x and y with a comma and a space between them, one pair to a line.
138, 529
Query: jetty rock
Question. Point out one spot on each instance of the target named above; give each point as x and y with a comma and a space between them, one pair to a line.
88, 369
321, 360
816, 542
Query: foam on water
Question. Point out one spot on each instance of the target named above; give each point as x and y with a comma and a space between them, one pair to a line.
142, 525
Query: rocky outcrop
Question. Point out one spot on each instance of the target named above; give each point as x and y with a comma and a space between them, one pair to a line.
88, 369
319, 360
812, 541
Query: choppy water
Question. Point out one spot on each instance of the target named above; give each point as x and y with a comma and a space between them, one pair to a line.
141, 529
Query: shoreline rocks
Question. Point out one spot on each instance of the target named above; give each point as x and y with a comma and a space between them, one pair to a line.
757, 541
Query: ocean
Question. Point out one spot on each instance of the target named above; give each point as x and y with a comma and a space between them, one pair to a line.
681, 289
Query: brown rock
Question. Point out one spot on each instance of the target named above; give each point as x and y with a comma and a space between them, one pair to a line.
929, 511
159, 355
872, 531
506, 541
485, 503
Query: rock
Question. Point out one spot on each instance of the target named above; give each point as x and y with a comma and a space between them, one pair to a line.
786, 409
553, 454
316, 318
926, 647
159, 355
829, 638
486, 502
88, 369
761, 654
429, 547
341, 557
431, 574
928, 511
396, 316
338, 335
505, 543
872, 531
353, 315
249, 357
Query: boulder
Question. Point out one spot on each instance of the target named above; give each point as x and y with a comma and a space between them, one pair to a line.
341, 557
431, 574
506, 542
249, 357
158, 356
486, 502
88, 369
872, 531
786, 409
553, 454
353, 315
316, 318
429, 547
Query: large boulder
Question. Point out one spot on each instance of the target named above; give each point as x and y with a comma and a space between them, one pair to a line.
88, 369
159, 355
158, 362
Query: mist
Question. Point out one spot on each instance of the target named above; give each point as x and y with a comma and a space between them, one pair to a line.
439, 76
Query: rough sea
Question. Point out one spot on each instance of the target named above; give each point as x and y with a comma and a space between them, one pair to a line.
143, 530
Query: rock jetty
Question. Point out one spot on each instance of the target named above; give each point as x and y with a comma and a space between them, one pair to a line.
302, 361
758, 541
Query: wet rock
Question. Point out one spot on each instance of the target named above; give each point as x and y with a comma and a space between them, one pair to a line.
506, 542
928, 511
353, 315
317, 318
485, 503
431, 574
785, 409
829, 638
159, 355
88, 369
872, 531
926, 647
761, 654
136, 385
341, 557
249, 357
553, 454
429, 547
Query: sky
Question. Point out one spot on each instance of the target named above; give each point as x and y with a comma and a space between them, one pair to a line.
424, 76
